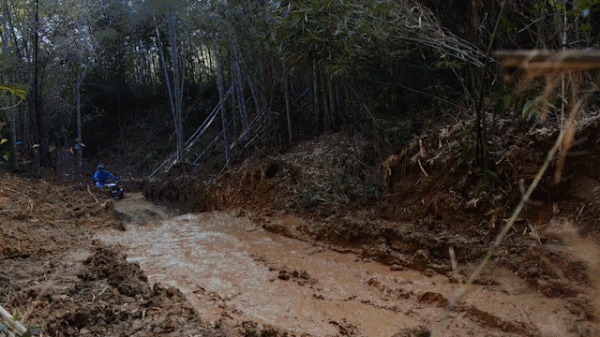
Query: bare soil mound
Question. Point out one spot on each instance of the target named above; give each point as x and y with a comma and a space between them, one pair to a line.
34, 215
52, 272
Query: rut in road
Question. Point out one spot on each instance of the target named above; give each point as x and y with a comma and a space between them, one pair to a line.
230, 268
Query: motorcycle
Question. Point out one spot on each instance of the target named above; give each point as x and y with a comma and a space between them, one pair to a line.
115, 190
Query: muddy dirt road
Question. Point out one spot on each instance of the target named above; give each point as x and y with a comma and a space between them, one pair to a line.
231, 269
219, 274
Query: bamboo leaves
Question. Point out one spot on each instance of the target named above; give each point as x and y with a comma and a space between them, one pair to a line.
17, 89
356, 31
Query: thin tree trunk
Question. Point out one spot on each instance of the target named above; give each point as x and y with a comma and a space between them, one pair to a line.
79, 133
210, 58
287, 105
237, 77
178, 78
79, 145
317, 90
341, 103
222, 103
192, 66
347, 103
335, 118
325, 98
13, 119
481, 143
256, 103
38, 115
234, 106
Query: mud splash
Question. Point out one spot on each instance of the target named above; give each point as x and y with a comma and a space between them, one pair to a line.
231, 269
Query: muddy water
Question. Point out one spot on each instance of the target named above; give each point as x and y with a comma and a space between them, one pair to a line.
227, 266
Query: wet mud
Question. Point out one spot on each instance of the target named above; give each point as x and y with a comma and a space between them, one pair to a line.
230, 268
309, 244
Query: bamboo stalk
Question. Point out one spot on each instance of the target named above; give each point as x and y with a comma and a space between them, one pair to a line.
8, 317
287, 105
222, 100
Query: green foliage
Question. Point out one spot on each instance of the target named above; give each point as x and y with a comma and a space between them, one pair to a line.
467, 145
344, 34
10, 327
505, 97
397, 129
509, 26
465, 151
17, 89
311, 198
450, 64
585, 27
463, 131
5, 154
580, 6
534, 108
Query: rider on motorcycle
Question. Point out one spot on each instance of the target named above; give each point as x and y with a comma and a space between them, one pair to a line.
101, 175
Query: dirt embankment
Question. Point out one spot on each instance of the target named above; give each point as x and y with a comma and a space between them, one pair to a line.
430, 198
411, 212
52, 272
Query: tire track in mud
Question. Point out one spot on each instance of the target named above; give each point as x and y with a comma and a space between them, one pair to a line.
231, 269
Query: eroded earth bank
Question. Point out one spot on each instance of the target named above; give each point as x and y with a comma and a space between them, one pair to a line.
317, 241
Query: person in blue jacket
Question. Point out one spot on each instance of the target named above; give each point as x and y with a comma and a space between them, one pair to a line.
101, 175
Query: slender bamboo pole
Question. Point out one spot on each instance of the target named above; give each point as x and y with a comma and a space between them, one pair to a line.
317, 93
8, 317
480, 144
13, 119
287, 104
222, 103
240, 86
335, 118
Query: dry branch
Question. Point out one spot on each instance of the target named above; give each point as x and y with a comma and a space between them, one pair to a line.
545, 60
92, 194
537, 63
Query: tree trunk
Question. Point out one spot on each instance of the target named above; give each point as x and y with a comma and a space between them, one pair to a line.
234, 107
36, 101
222, 103
347, 105
79, 133
237, 77
325, 98
13, 119
178, 80
210, 58
476, 21
317, 91
335, 118
256, 103
287, 105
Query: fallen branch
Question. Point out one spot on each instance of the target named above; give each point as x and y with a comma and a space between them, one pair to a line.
422, 169
92, 194
10, 189
102, 292
453, 262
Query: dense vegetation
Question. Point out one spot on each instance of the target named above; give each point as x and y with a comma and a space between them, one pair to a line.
144, 78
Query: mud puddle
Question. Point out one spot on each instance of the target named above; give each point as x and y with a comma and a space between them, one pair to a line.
230, 268
135, 209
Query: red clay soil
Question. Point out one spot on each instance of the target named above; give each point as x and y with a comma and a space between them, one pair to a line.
409, 212
432, 185
56, 276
